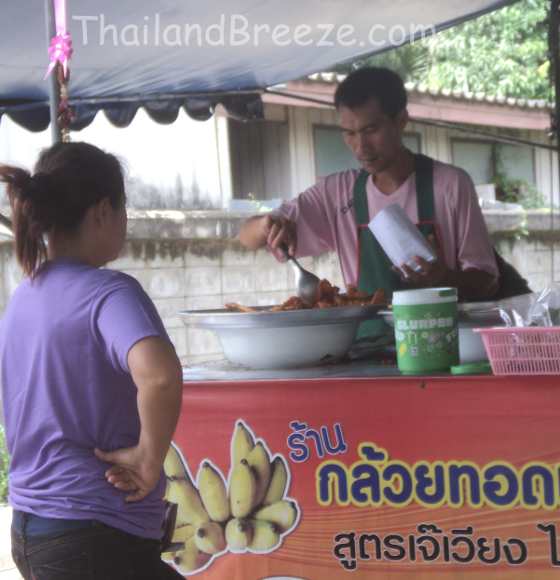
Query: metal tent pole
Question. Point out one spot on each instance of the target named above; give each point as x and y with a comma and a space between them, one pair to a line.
54, 92
54, 86
554, 49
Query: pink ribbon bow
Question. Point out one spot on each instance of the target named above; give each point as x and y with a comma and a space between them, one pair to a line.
60, 49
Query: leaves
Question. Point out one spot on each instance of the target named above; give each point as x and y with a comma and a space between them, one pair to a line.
4, 466
410, 61
504, 53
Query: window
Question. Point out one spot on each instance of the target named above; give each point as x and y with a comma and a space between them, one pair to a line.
484, 160
332, 154
260, 159
518, 162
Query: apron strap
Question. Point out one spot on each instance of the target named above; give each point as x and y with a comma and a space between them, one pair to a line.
424, 168
361, 209
374, 267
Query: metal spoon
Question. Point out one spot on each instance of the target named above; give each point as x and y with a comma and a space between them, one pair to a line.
307, 284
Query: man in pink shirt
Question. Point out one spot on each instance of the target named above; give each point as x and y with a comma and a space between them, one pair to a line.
332, 215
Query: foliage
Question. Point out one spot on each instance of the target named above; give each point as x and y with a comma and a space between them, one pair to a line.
518, 191
515, 190
4, 464
410, 61
504, 53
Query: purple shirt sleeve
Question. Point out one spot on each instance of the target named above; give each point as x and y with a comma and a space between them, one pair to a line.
125, 315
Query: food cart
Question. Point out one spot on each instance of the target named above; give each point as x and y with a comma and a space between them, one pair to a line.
445, 477
416, 477
385, 474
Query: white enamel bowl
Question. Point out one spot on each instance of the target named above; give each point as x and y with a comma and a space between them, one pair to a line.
282, 340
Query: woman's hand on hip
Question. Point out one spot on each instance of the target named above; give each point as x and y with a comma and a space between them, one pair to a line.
156, 372
132, 471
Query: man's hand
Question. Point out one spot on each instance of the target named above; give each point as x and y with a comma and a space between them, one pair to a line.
281, 232
427, 274
131, 471
269, 230
471, 283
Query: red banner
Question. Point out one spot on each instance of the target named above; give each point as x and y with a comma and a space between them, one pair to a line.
323, 479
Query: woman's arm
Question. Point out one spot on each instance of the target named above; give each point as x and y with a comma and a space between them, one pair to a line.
157, 373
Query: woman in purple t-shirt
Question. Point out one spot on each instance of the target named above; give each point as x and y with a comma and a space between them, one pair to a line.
91, 384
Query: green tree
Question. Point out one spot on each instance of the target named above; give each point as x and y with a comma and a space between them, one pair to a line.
410, 61
504, 53
4, 465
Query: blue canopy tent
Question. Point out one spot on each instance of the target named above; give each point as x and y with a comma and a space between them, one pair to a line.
170, 54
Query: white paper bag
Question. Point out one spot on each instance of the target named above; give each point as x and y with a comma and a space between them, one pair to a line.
400, 238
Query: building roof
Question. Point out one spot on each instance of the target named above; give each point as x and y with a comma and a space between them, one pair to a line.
421, 89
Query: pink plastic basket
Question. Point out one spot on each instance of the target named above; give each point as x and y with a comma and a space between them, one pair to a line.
523, 351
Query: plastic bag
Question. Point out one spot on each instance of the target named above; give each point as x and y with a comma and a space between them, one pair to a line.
536, 309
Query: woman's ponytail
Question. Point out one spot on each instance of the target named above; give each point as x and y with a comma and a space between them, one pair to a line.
28, 226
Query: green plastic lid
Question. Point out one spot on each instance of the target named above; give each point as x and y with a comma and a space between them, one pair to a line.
477, 368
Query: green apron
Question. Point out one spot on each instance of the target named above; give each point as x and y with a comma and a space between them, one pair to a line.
374, 267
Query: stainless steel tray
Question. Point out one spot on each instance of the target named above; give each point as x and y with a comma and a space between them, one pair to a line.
222, 318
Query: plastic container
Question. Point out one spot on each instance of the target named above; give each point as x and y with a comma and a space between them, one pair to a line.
426, 330
523, 351
471, 347
400, 239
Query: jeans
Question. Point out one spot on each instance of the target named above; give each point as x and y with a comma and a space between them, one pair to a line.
86, 550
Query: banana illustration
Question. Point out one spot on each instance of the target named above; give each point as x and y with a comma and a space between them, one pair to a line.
259, 460
185, 495
239, 534
213, 493
242, 490
266, 536
278, 482
213, 516
282, 513
209, 538
173, 465
183, 533
242, 443
190, 558
180, 536
168, 556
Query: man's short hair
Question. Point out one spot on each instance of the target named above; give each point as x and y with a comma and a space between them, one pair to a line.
381, 84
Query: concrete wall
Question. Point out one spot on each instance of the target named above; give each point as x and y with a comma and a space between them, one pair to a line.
192, 261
